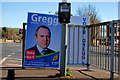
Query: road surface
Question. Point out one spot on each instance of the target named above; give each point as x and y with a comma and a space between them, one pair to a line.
11, 55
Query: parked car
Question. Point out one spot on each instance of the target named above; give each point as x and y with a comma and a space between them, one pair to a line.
116, 42
17, 41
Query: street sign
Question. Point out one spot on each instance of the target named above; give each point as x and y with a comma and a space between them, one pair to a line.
64, 12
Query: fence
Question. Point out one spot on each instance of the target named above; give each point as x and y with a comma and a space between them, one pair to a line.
105, 46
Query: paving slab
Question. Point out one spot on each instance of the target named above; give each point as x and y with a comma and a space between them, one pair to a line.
51, 74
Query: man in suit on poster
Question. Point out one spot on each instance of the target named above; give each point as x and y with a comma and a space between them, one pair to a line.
42, 37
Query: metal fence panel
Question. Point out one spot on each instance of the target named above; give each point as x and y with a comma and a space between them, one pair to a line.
105, 45
104, 40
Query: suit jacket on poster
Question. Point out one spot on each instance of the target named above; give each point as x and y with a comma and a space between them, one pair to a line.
37, 51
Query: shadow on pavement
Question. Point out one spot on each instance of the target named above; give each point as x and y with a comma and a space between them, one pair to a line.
9, 73
87, 74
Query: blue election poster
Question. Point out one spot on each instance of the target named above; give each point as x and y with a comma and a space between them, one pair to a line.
43, 37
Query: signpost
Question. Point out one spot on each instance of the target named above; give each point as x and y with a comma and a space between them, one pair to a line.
64, 18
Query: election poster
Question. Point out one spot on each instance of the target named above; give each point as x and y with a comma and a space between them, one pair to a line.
43, 37
78, 40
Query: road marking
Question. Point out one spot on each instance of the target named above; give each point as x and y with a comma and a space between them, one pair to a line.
15, 59
5, 58
8, 55
15, 64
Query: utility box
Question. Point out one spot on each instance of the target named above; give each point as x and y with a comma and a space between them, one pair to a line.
64, 12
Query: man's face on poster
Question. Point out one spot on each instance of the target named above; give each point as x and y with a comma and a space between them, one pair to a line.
43, 37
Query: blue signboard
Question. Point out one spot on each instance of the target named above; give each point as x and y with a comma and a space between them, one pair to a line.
42, 48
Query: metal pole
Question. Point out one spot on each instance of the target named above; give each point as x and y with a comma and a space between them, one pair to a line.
68, 45
119, 51
23, 46
112, 52
63, 50
88, 54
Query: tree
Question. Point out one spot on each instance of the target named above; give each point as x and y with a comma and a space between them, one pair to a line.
10, 33
4, 32
90, 11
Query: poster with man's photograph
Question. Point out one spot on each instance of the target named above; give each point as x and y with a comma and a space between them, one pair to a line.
43, 37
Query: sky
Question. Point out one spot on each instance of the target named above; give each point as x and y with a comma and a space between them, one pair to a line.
15, 13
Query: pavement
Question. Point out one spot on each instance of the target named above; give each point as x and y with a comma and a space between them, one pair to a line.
17, 73
8, 72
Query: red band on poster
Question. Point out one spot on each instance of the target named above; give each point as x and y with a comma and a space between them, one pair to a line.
30, 55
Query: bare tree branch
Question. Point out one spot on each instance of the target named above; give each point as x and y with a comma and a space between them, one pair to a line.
90, 11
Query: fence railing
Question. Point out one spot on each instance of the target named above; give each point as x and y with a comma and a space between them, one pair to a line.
105, 45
